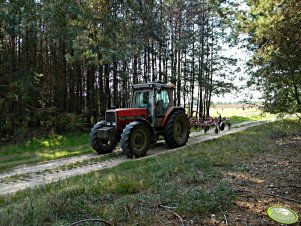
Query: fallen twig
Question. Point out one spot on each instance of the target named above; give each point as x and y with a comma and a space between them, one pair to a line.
92, 220
160, 221
168, 209
290, 186
282, 197
267, 194
226, 221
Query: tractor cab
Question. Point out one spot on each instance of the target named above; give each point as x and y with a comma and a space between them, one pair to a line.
156, 98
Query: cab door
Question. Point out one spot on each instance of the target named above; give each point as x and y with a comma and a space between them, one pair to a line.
162, 104
144, 99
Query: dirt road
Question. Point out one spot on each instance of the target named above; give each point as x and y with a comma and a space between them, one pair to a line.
34, 175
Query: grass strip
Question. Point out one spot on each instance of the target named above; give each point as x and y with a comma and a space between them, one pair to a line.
40, 150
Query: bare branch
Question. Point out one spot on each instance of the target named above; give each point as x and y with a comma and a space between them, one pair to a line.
91, 220
226, 221
177, 215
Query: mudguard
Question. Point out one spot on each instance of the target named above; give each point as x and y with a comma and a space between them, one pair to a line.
169, 112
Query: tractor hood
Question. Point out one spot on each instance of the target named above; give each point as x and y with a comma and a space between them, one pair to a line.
131, 113
124, 116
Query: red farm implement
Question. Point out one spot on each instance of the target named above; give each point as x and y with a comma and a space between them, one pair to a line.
205, 122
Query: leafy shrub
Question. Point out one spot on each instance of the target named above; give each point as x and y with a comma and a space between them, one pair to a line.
68, 122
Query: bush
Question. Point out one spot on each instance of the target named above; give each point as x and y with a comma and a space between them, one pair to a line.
68, 122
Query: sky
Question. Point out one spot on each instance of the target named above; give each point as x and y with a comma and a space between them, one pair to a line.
242, 55
249, 94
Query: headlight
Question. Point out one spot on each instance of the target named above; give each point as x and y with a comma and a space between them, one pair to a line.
108, 123
114, 123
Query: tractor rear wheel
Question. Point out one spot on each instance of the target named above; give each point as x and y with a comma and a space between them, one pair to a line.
101, 146
177, 129
135, 139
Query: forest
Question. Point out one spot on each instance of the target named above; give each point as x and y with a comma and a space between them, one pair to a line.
63, 63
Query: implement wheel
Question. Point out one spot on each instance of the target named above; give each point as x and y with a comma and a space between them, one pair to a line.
222, 126
101, 146
177, 129
135, 139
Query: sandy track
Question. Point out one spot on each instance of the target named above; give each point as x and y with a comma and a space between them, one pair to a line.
40, 174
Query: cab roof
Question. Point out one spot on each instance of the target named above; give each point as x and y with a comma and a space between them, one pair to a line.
151, 85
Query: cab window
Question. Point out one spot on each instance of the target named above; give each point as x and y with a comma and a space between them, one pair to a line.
162, 102
143, 99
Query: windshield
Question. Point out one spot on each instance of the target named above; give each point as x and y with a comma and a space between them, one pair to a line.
143, 99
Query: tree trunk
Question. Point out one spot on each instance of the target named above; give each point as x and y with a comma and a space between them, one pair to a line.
107, 87
115, 84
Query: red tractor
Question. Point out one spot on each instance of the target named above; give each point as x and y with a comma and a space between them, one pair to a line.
152, 114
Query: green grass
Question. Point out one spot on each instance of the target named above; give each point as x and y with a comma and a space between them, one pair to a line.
43, 149
239, 119
238, 113
188, 180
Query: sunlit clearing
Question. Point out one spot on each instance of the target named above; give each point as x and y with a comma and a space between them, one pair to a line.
259, 206
245, 176
45, 143
58, 154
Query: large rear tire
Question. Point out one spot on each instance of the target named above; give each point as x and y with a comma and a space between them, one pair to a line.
135, 139
101, 146
177, 129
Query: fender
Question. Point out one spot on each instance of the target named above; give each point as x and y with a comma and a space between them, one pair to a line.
151, 129
168, 113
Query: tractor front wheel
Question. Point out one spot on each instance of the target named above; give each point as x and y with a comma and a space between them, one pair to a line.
101, 146
177, 129
135, 139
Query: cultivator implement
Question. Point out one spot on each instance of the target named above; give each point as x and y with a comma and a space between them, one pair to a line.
206, 122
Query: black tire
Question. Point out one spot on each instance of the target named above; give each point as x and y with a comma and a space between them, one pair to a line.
135, 139
177, 129
222, 126
101, 146
216, 130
